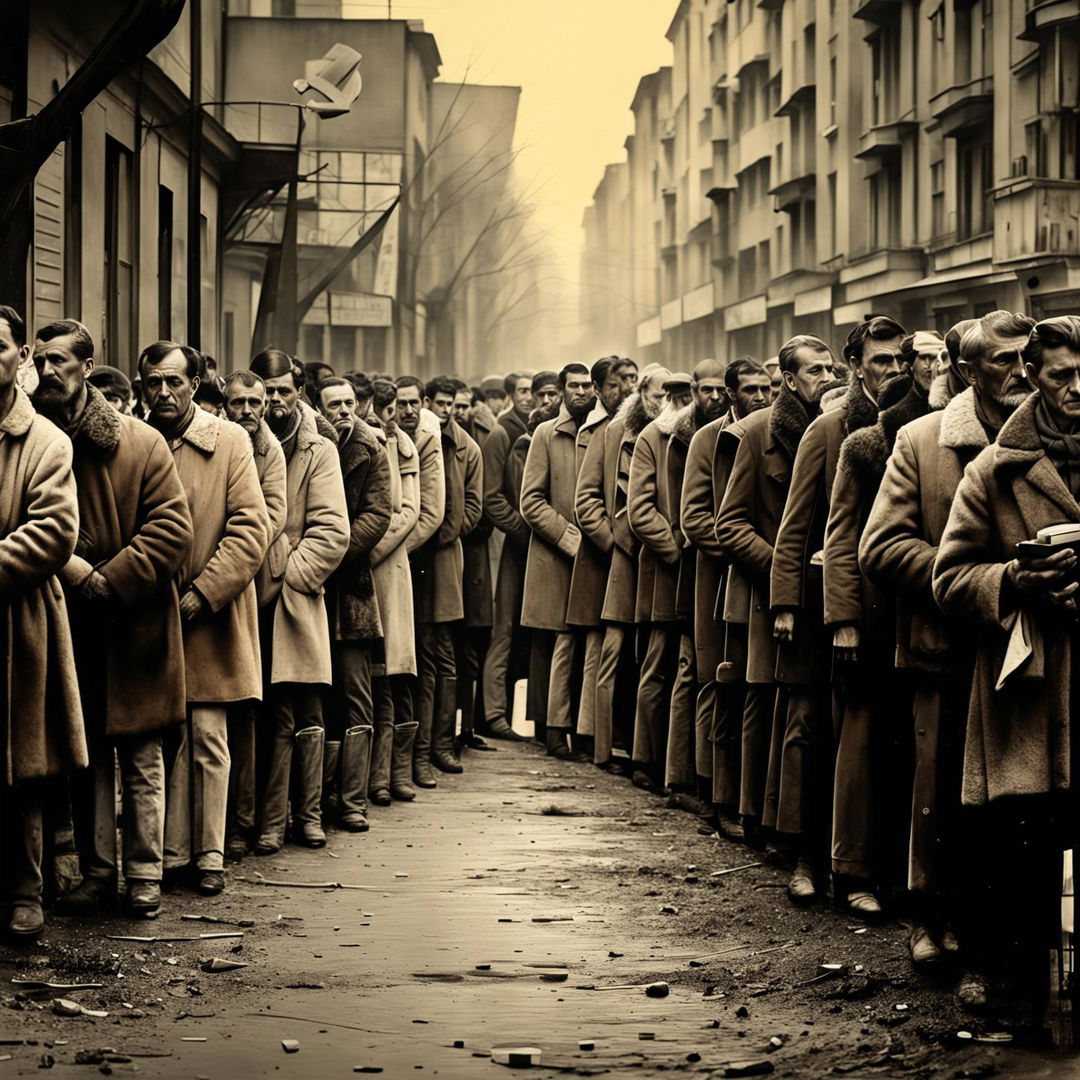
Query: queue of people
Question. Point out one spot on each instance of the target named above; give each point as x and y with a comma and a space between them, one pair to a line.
815, 602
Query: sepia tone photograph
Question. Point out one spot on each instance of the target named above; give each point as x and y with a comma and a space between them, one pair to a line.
539, 537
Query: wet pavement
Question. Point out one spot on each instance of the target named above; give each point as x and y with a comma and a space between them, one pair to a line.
494, 912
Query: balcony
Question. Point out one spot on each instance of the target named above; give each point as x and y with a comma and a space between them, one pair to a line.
1036, 219
961, 109
878, 11
1042, 18
793, 189
885, 140
770, 5
667, 129
801, 97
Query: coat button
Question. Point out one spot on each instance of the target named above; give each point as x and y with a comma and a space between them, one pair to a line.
922, 731
926, 811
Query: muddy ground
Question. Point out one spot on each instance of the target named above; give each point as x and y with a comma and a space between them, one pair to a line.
477, 900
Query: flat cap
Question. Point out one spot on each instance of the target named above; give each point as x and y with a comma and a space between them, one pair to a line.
104, 376
678, 380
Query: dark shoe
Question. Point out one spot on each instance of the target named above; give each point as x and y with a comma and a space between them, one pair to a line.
801, 890
423, 775
211, 882
925, 952
268, 845
445, 761
613, 767
500, 729
26, 921
973, 992
236, 848
683, 800
473, 742
561, 752
144, 898
381, 797
312, 835
354, 821
728, 825
93, 896
641, 779
778, 856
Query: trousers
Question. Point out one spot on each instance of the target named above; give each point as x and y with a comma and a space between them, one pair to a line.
586, 721
680, 765
23, 841
652, 716
501, 666
198, 791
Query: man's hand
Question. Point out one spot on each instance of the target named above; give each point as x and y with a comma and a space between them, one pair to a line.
1042, 575
784, 626
191, 605
846, 642
96, 587
570, 541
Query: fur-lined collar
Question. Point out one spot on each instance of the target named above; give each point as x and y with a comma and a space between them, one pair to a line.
679, 423
100, 424
263, 439
635, 418
429, 422
309, 433
941, 392
361, 444
861, 410
20, 416
406, 448
202, 432
961, 428
865, 453
788, 420
483, 417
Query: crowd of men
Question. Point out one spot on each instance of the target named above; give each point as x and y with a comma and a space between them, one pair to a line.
788, 597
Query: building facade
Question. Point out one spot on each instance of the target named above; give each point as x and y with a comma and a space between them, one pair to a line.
821, 159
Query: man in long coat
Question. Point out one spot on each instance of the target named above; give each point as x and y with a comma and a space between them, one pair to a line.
120, 585
746, 389
315, 540
746, 529
217, 604
1020, 750
40, 711
547, 505
438, 570
501, 507
423, 428
356, 625
245, 404
897, 553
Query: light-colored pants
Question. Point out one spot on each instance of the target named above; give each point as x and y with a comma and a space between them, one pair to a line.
560, 707
607, 667
198, 792
586, 724
679, 764
655, 685
142, 778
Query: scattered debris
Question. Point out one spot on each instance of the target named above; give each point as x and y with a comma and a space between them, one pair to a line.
215, 963
748, 1068
558, 811
367, 1068
554, 976
66, 1007
735, 869
193, 1038
668, 909
290, 1046
550, 918
245, 923
517, 1057
646, 1036
164, 940
34, 984
586, 1044
742, 1013
258, 879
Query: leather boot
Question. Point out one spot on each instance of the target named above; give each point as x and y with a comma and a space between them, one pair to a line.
401, 762
331, 802
379, 782
275, 808
307, 810
355, 767
442, 729
423, 774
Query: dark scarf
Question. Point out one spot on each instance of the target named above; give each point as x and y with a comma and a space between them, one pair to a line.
1062, 448
175, 433
862, 410
288, 437
789, 420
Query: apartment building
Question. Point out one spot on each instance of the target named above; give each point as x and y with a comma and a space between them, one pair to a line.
820, 159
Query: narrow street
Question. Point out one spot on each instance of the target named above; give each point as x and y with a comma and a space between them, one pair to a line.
475, 899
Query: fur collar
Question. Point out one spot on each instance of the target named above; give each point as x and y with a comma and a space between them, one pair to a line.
961, 428
101, 423
406, 448
483, 417
202, 432
313, 425
429, 422
19, 417
861, 411
788, 420
865, 453
940, 391
635, 417
263, 439
680, 423
361, 444
1019, 438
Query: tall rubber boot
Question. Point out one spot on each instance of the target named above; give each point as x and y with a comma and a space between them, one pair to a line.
423, 774
331, 803
275, 801
401, 762
307, 810
355, 770
442, 729
381, 754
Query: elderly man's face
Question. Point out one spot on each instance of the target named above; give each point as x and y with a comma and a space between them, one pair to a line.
881, 360
710, 397
408, 408
814, 371
1058, 383
628, 376
546, 396
282, 398
61, 372
653, 396
1000, 375
245, 405
337, 404
924, 367
167, 388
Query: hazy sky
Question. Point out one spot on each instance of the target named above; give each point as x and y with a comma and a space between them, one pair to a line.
578, 63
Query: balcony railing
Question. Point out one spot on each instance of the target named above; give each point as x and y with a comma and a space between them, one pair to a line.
1042, 18
885, 140
965, 107
879, 11
1035, 219
797, 187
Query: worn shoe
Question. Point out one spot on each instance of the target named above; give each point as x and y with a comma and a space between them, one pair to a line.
144, 898
728, 825
472, 741
380, 797
613, 767
27, 920
311, 833
801, 890
778, 856
865, 905
94, 895
445, 761
268, 845
211, 882
949, 944
424, 775
641, 779
236, 847
973, 991
500, 729
924, 950
353, 821
683, 800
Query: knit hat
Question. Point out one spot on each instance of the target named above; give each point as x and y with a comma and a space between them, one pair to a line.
109, 378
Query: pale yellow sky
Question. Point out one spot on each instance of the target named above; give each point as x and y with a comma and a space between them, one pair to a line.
578, 63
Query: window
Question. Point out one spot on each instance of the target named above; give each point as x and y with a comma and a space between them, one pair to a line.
164, 262
283, 8
73, 246
119, 252
975, 186
834, 231
937, 22
832, 89
937, 198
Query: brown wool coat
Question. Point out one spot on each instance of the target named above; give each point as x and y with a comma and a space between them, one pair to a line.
588, 580
500, 499
389, 559
438, 569
548, 486
432, 484
365, 475
478, 594
270, 467
1018, 737
733, 601
651, 509
698, 517
40, 712
135, 530
216, 465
